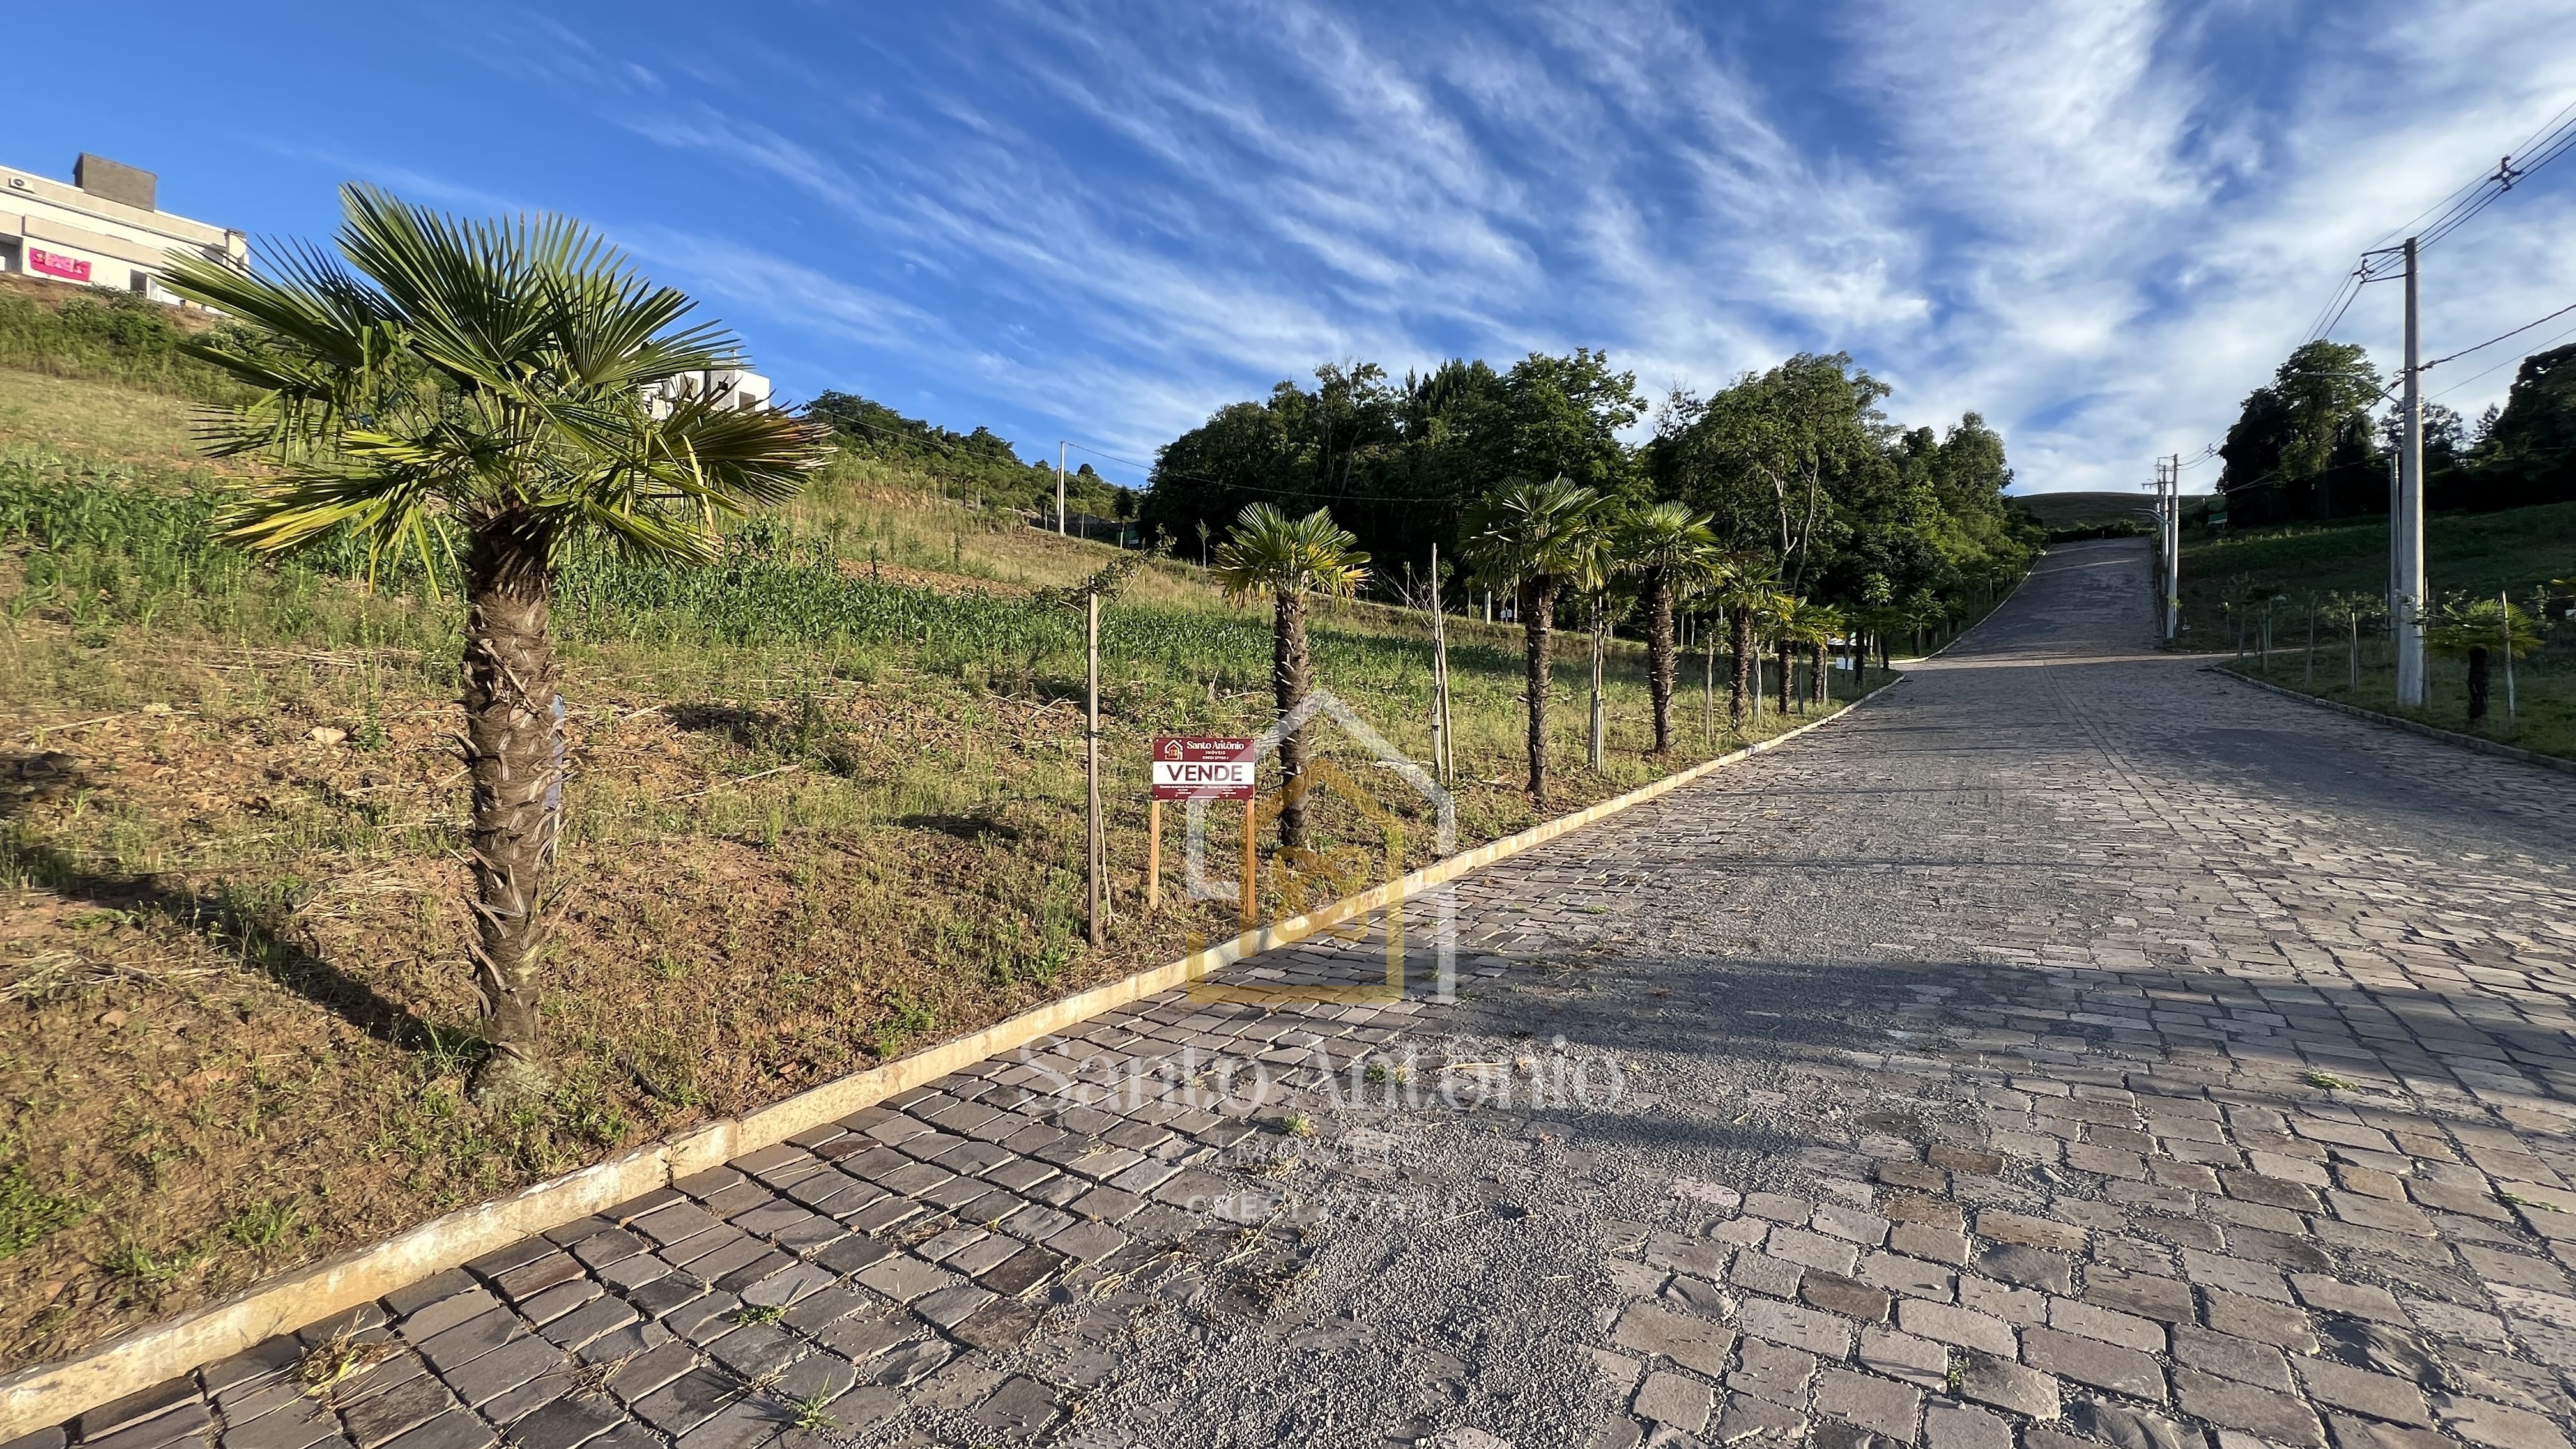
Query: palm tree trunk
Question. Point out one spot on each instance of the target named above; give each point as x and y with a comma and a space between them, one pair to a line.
1784, 676
1816, 674
1741, 683
1289, 681
1662, 664
1538, 616
2477, 684
514, 743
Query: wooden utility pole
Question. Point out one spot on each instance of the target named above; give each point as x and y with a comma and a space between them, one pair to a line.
1059, 487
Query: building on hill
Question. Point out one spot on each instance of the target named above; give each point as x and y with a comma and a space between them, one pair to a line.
103, 230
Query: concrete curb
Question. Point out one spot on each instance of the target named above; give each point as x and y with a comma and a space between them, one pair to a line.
2412, 727
44, 1395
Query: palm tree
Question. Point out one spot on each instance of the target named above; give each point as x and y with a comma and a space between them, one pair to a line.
1289, 558
2477, 630
1817, 626
1534, 538
505, 380
1745, 588
1671, 550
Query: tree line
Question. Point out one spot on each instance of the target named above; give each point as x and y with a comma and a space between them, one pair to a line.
2313, 444
1797, 465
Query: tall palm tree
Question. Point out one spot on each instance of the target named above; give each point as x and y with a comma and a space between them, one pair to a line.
1289, 558
1671, 550
1535, 538
502, 380
1746, 590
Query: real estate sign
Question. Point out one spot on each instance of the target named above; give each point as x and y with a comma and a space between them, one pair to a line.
1202, 767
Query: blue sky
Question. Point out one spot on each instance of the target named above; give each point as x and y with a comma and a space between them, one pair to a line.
2097, 222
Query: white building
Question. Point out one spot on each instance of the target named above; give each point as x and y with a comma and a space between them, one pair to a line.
102, 230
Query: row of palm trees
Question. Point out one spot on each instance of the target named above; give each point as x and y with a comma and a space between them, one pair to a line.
1545, 543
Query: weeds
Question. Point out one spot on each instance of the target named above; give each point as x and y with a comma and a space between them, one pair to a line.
2326, 1081
339, 1358
29, 1212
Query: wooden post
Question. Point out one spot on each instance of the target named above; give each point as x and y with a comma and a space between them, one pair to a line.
1091, 749
1441, 741
1153, 856
1251, 865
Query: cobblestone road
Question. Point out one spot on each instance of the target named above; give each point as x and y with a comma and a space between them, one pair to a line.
2069, 1046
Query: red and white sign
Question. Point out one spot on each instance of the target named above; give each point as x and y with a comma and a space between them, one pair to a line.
1200, 767
55, 264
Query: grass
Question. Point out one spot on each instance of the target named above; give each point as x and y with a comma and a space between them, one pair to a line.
826, 807
2228, 579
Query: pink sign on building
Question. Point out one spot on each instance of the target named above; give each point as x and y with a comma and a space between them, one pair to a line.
55, 264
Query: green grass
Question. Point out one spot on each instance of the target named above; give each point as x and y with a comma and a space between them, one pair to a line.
2228, 578
2479, 553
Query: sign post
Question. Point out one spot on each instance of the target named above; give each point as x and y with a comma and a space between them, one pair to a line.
1200, 767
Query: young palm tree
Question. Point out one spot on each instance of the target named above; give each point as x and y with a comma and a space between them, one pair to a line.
1289, 558
1534, 538
1671, 551
497, 380
1817, 626
2477, 630
1747, 588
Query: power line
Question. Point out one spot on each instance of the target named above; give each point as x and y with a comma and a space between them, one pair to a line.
2380, 262
2492, 341
2508, 362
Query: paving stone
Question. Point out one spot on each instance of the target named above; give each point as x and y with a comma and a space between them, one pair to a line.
2274, 1416
1992, 1379
2092, 1361
1692, 1342
1944, 1323
2243, 1360
2075, 1316
1774, 1372
1846, 1296
1952, 1426
1798, 1327
2115, 1424
1874, 1403
1749, 1420
1917, 1361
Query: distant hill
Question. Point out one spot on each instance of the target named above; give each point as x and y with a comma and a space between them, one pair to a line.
2062, 513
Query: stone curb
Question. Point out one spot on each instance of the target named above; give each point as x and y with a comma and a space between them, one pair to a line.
44, 1395
2412, 727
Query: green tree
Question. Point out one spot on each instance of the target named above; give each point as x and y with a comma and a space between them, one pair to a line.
1671, 551
501, 380
2301, 445
1535, 539
1290, 559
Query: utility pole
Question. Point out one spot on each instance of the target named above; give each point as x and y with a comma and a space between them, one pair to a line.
1059, 487
2173, 547
2410, 519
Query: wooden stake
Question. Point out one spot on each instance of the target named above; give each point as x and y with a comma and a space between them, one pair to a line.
1091, 747
1153, 856
1251, 865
